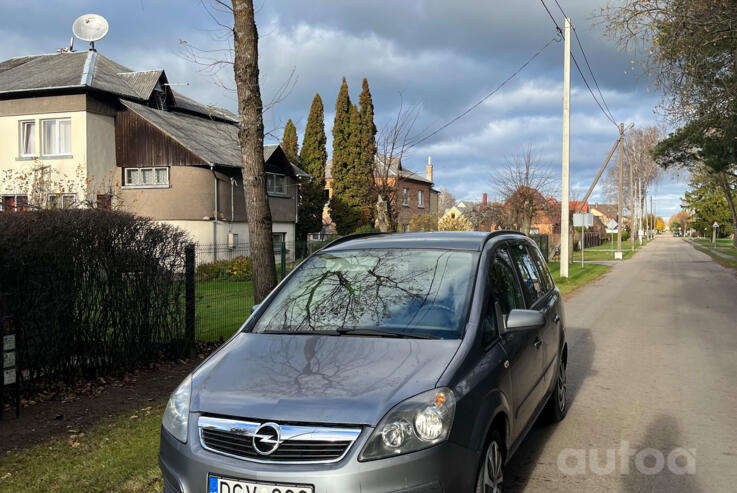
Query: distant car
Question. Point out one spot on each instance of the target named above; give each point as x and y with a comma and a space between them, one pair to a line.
676, 233
382, 363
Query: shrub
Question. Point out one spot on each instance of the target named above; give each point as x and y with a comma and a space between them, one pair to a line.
423, 222
91, 291
365, 229
450, 222
237, 269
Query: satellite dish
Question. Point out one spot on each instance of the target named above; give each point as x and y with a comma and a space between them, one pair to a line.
90, 27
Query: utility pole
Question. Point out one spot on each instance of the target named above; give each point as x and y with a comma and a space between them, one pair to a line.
565, 178
620, 226
639, 209
652, 219
632, 211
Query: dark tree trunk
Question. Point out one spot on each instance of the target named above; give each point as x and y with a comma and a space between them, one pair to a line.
251, 137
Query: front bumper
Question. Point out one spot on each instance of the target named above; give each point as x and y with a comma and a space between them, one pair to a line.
447, 467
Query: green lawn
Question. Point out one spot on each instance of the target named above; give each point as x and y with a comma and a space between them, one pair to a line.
724, 245
577, 275
221, 308
604, 251
119, 455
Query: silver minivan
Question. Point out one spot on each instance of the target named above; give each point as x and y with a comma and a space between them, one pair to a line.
382, 363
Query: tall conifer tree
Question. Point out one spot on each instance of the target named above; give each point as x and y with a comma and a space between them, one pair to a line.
344, 209
368, 151
289, 143
312, 159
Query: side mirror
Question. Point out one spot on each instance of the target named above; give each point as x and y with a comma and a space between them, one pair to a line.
255, 307
524, 320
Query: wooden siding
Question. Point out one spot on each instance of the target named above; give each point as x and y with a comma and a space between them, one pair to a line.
139, 143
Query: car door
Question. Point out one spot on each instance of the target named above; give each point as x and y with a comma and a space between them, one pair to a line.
524, 355
550, 304
534, 293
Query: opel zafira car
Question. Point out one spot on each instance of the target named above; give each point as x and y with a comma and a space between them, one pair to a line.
382, 363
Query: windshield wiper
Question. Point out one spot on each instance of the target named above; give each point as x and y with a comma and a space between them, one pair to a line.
385, 333
302, 332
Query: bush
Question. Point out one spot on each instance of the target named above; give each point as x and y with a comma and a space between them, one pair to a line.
91, 291
237, 269
365, 229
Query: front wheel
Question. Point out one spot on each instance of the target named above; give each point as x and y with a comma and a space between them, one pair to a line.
491, 474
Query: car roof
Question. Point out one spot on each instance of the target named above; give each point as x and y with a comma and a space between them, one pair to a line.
441, 240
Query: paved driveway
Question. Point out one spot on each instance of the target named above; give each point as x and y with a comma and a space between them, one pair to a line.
652, 365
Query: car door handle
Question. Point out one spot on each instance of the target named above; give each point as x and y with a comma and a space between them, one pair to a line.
538, 342
556, 318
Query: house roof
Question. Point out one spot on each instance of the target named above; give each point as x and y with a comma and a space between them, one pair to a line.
609, 210
84, 70
214, 141
380, 168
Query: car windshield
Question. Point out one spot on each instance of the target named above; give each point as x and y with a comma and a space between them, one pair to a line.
393, 291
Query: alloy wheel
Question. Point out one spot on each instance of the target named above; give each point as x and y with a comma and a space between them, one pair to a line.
562, 387
493, 475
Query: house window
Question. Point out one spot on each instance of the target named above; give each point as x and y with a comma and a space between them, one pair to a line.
57, 136
146, 177
405, 197
28, 138
104, 201
420, 199
15, 203
277, 239
61, 200
276, 184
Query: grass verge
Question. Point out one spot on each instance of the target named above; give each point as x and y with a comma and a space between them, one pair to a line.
119, 455
730, 264
577, 275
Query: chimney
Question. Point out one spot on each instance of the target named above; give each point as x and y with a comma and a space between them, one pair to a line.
483, 199
428, 169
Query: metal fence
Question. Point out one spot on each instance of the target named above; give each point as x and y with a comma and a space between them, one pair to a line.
222, 284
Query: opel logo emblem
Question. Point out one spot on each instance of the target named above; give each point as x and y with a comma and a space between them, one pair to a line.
267, 438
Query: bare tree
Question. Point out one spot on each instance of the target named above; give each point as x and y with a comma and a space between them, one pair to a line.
251, 137
392, 143
523, 185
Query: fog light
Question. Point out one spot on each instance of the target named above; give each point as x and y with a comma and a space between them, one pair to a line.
429, 423
395, 434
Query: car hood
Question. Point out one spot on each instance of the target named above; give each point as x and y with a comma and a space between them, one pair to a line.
317, 379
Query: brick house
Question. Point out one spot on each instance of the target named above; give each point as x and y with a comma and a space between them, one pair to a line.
414, 194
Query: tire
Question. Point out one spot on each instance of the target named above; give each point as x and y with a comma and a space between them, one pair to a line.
491, 469
557, 406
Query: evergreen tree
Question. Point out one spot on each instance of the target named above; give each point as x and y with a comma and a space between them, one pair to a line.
289, 143
368, 148
344, 208
312, 159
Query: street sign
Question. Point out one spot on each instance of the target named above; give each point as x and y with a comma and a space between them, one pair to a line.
583, 220
715, 225
612, 224
611, 231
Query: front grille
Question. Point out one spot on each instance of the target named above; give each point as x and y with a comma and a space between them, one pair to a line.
296, 443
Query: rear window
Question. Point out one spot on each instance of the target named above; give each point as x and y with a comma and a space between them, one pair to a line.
425, 291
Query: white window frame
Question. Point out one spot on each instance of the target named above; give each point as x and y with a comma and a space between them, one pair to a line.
405, 197
22, 139
56, 138
420, 199
271, 182
62, 197
15, 201
282, 237
138, 182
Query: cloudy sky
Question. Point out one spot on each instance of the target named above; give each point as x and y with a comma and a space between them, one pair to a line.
443, 56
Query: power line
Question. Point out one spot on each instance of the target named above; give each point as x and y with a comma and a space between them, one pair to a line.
475, 105
586, 59
606, 111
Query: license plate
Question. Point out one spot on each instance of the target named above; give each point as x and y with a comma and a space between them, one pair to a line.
216, 484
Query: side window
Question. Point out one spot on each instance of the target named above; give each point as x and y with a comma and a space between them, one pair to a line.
505, 294
542, 267
529, 275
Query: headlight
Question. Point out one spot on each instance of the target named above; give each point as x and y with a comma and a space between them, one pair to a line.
414, 424
176, 414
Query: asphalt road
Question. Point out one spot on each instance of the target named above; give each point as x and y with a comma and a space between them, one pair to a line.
652, 372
